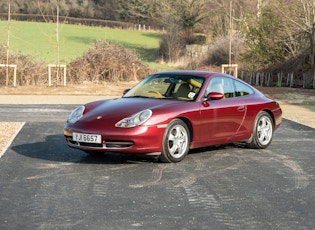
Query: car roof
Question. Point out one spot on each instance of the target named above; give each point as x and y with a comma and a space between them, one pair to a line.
202, 73
207, 75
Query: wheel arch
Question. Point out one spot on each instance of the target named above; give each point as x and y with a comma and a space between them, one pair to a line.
271, 115
189, 125
261, 139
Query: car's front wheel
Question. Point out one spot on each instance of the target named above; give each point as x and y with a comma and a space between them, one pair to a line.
262, 132
176, 142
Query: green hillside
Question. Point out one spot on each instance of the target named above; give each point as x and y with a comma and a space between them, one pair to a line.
40, 41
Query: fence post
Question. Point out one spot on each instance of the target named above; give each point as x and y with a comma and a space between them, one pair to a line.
279, 79
268, 79
14, 72
49, 76
14, 77
257, 78
291, 80
313, 81
64, 73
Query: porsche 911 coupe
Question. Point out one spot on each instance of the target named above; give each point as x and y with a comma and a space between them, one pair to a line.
170, 112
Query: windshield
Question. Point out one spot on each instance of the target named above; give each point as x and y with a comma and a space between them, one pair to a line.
170, 86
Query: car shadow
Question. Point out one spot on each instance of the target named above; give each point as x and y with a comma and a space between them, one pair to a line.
54, 148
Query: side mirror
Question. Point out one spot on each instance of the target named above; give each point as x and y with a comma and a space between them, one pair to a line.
215, 96
125, 91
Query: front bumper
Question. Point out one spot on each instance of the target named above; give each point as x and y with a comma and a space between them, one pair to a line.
137, 140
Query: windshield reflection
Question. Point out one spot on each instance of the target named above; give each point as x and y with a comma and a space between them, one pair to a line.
168, 86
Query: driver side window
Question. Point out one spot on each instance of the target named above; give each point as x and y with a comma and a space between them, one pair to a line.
221, 85
216, 85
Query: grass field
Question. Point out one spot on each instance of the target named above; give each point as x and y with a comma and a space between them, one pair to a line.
40, 41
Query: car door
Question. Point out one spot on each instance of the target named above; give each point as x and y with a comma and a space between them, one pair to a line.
221, 119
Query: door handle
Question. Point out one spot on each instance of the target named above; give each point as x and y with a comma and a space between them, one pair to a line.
241, 108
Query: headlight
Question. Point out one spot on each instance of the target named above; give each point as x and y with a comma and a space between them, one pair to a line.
76, 114
135, 120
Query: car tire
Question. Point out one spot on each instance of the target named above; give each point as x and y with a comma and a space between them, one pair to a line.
262, 131
176, 142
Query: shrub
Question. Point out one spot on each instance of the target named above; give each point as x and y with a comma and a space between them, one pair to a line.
107, 62
29, 72
104, 62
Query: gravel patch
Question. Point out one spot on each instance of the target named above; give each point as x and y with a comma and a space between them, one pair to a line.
8, 131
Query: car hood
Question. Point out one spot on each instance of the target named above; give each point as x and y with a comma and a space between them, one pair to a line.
117, 109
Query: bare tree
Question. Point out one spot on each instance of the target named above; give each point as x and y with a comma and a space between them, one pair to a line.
180, 19
300, 21
8, 44
187, 13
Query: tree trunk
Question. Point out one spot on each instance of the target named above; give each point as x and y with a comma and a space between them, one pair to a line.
312, 48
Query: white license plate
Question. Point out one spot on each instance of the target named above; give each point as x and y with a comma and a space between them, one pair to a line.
87, 138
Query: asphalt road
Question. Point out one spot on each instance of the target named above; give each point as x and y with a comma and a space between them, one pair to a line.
46, 185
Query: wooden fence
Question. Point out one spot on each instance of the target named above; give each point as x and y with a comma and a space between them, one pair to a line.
305, 81
280, 79
7, 77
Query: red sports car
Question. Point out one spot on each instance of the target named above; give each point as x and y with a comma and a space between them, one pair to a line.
169, 113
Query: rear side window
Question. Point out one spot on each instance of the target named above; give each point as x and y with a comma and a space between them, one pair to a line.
242, 89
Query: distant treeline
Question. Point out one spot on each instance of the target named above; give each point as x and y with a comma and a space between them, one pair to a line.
134, 11
69, 20
257, 35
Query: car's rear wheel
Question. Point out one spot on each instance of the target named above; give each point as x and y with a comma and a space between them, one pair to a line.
176, 141
262, 132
